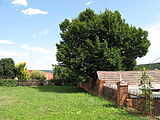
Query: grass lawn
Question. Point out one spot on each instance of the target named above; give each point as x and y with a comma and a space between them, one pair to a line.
57, 103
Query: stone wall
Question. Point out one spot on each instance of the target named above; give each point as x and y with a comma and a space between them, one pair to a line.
29, 83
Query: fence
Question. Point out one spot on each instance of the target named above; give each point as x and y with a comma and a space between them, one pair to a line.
138, 102
110, 93
122, 96
156, 107
28, 83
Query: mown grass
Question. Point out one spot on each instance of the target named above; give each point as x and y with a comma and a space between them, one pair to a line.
57, 103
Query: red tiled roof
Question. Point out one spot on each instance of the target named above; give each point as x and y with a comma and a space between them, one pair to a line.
131, 77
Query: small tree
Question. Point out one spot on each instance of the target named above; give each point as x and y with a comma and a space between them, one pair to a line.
146, 96
38, 75
22, 72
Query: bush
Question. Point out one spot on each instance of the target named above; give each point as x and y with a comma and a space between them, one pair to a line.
22, 72
8, 82
38, 75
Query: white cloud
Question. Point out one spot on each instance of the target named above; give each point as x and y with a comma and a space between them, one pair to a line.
51, 57
44, 32
44, 60
8, 53
36, 49
6, 42
41, 33
40, 66
31, 11
4, 53
89, 2
35, 36
20, 2
154, 35
154, 50
45, 63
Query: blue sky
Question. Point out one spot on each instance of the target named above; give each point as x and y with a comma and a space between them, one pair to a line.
29, 29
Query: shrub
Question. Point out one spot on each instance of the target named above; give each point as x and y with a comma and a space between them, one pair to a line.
8, 82
38, 75
22, 72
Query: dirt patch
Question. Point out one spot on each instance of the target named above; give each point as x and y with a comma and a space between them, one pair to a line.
6, 100
4, 97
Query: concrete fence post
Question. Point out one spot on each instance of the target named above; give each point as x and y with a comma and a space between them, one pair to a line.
122, 93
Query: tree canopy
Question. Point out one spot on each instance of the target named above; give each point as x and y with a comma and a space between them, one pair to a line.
7, 68
63, 76
95, 42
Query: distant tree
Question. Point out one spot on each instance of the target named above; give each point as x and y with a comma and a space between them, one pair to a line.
38, 75
22, 72
7, 68
93, 42
151, 66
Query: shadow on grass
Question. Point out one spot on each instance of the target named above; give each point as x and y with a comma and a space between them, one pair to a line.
110, 105
130, 111
134, 112
60, 89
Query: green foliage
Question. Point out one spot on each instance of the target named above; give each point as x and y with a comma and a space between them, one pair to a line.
38, 75
63, 75
151, 66
8, 82
7, 68
57, 103
146, 97
22, 72
93, 42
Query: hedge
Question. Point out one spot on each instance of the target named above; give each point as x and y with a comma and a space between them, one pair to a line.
8, 82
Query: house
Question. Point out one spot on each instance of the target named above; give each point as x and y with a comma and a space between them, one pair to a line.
48, 74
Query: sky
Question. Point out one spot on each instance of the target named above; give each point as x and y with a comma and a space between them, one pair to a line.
29, 29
